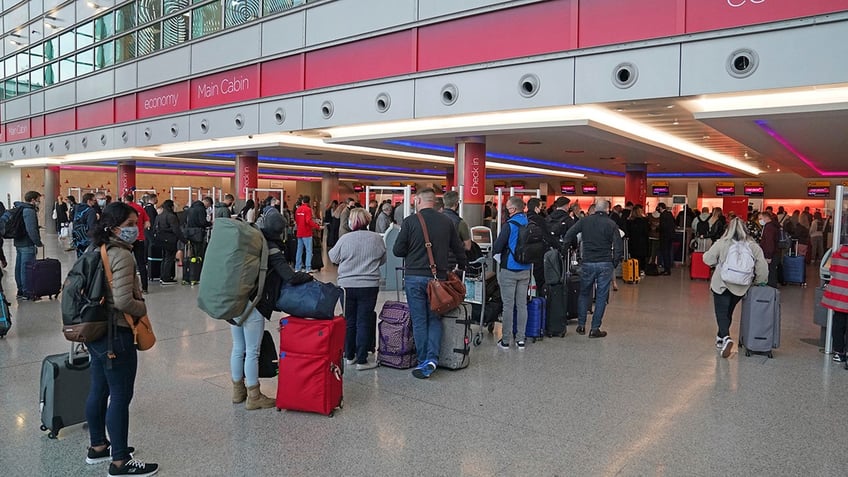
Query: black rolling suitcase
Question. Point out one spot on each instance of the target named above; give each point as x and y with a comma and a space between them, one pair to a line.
291, 249
317, 253
44, 278
193, 266
557, 316
65, 380
154, 262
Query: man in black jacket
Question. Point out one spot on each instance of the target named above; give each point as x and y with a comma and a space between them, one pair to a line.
667, 229
195, 228
411, 244
560, 219
602, 252
534, 209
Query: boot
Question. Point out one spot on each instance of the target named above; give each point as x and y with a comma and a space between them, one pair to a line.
257, 400
239, 392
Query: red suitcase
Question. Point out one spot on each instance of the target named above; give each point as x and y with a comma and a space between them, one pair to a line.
311, 357
698, 270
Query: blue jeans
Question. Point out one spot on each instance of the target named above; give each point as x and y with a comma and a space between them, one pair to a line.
360, 318
426, 324
247, 338
590, 274
25, 255
303, 242
112, 383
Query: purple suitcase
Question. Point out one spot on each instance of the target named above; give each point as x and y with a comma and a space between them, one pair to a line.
397, 346
44, 278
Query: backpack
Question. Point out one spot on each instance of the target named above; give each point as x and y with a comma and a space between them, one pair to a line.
80, 229
738, 265
553, 267
233, 276
530, 246
12, 223
784, 240
84, 314
703, 228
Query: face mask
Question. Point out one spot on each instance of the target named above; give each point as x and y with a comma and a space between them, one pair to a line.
762, 222
128, 234
101, 202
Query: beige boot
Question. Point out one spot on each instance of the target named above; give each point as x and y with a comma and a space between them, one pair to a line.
257, 400
239, 392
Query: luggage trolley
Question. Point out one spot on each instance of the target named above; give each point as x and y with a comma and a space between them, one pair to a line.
474, 278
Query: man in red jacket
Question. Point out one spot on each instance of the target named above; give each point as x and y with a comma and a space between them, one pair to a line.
305, 224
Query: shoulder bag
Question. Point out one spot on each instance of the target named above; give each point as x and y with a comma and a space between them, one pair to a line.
143, 336
443, 295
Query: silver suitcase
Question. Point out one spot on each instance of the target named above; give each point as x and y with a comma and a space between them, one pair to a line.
455, 351
759, 329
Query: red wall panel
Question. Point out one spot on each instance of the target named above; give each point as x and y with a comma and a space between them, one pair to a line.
125, 108
241, 84
60, 122
96, 114
606, 22
702, 15
173, 98
18, 130
380, 57
530, 30
282, 76
37, 125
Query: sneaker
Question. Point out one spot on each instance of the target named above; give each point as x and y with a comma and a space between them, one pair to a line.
840, 357
312, 270
520, 345
350, 362
168, 282
105, 455
597, 333
581, 330
424, 371
719, 342
503, 345
366, 365
134, 467
727, 347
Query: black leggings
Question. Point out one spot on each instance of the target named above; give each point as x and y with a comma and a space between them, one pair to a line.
724, 303
169, 260
140, 253
840, 326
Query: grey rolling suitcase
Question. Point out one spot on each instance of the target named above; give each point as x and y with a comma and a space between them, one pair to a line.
65, 380
455, 352
759, 329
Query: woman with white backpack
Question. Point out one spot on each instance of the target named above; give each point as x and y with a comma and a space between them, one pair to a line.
739, 263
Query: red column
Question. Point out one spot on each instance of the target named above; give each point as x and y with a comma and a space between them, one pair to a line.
126, 178
470, 173
247, 173
635, 183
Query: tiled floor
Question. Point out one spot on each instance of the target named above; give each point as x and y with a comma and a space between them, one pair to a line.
653, 398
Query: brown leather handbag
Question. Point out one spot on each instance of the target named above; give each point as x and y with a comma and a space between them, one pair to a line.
443, 295
142, 329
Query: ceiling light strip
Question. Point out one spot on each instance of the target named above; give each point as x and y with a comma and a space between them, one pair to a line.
789, 147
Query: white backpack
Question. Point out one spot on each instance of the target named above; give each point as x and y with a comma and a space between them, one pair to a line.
738, 266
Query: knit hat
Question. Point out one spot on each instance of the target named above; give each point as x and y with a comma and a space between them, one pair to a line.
273, 223
561, 201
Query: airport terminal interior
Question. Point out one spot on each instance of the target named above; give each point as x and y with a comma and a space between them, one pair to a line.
735, 105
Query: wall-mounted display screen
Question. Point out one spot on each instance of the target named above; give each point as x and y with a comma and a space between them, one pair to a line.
755, 191
724, 190
358, 188
568, 189
660, 190
590, 189
818, 191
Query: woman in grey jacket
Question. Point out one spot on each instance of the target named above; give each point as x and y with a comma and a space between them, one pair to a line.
727, 295
113, 357
359, 254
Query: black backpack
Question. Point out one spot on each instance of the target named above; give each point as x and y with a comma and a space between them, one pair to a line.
530, 246
85, 317
703, 228
12, 223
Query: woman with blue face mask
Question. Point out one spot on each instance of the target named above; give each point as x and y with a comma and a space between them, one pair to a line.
114, 357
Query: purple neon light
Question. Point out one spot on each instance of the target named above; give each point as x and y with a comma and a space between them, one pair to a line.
783, 142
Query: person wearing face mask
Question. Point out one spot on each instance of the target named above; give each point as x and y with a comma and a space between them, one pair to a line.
100, 202
114, 359
343, 217
304, 225
139, 250
26, 243
85, 218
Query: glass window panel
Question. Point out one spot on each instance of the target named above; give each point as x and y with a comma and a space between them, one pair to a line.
85, 62
11, 64
50, 73
206, 20
125, 48
242, 11
67, 69
85, 35
10, 88
36, 55
50, 49
125, 18
149, 40
174, 30
23, 83
36, 79
104, 55
273, 6
104, 27
173, 6
66, 43
149, 10
23, 60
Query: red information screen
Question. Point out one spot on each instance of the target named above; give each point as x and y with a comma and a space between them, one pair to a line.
722, 191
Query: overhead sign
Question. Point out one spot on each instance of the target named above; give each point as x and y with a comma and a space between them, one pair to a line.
590, 188
568, 188
661, 188
754, 189
725, 189
818, 189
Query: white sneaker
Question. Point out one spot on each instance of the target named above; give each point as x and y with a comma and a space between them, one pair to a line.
727, 347
367, 365
350, 362
719, 343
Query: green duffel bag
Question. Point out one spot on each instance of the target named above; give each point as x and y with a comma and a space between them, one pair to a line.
234, 270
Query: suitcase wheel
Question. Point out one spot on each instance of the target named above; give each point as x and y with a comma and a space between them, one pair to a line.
43, 427
478, 340
770, 355
747, 353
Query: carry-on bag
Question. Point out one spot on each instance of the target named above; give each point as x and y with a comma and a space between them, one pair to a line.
455, 351
396, 347
759, 329
313, 299
311, 365
536, 311
698, 270
556, 315
44, 278
65, 381
193, 266
5, 316
795, 267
